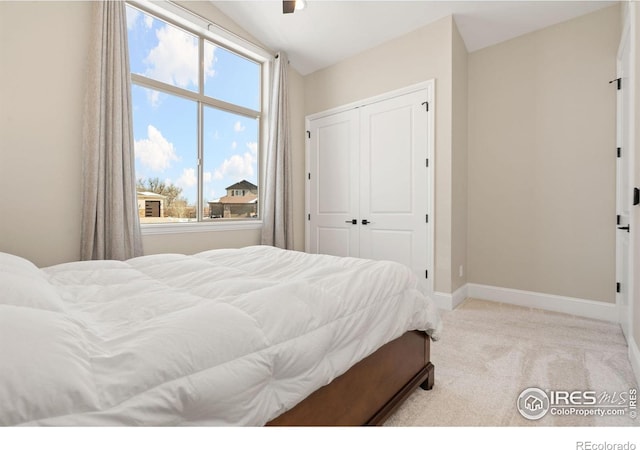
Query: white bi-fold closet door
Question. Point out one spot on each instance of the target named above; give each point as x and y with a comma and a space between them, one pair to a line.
369, 180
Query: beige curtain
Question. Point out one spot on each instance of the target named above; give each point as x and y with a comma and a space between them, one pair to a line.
277, 215
110, 223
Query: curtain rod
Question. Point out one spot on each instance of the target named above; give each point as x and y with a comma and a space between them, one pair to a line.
219, 28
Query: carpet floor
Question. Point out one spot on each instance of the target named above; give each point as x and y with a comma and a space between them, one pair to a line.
490, 352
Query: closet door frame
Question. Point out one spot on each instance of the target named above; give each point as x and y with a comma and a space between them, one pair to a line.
429, 87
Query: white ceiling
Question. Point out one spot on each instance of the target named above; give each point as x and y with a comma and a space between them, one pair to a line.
328, 31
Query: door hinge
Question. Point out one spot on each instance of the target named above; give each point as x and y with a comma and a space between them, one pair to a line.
308, 216
618, 288
427, 218
426, 105
618, 219
636, 196
427, 162
426, 274
619, 152
618, 82
309, 175
308, 134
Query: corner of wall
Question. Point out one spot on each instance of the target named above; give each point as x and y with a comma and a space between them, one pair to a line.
459, 160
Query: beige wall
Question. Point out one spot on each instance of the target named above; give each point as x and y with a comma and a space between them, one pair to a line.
413, 58
43, 48
296, 105
459, 163
197, 242
542, 162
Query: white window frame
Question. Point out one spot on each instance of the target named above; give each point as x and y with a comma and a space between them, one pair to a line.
203, 28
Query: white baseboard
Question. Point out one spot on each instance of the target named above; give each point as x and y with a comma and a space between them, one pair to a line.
449, 302
442, 300
634, 357
569, 305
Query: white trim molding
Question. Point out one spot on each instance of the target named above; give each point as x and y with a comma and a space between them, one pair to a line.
449, 302
429, 85
557, 303
199, 227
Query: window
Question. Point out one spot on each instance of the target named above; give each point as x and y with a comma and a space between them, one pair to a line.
197, 119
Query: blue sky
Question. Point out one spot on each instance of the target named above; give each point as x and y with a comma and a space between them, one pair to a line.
165, 126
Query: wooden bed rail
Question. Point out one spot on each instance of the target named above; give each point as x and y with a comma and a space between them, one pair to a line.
369, 392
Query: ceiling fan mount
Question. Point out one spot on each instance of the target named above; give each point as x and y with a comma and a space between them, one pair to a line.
290, 6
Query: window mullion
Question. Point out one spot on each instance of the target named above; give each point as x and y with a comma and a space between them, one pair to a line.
230, 107
159, 86
200, 200
200, 206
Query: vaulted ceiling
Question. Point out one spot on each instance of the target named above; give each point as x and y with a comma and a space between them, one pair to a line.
328, 31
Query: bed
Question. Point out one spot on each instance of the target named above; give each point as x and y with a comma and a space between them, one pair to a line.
236, 337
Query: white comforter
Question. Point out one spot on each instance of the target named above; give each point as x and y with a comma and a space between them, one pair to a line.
224, 337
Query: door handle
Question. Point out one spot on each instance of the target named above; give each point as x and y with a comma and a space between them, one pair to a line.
352, 221
365, 222
624, 228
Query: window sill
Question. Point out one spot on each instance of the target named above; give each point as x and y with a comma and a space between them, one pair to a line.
199, 227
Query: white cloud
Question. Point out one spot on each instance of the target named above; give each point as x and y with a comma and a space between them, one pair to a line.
234, 145
156, 153
210, 192
175, 59
212, 196
237, 167
153, 97
238, 127
188, 178
253, 147
132, 17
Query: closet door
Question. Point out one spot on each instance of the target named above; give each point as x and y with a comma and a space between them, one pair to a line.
393, 181
333, 188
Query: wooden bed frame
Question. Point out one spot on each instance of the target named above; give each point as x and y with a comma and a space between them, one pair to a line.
371, 390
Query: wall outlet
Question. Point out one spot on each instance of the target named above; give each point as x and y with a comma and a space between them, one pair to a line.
461, 271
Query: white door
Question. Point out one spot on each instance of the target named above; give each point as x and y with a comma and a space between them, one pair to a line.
393, 181
368, 181
333, 194
624, 188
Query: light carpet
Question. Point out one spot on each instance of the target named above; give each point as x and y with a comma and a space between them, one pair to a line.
490, 352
